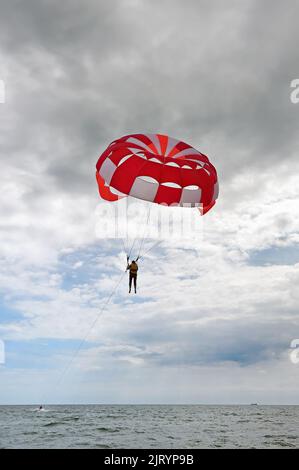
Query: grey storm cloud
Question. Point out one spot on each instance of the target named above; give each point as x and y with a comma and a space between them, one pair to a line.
241, 339
202, 72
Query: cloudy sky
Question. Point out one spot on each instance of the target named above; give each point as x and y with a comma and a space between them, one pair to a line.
215, 316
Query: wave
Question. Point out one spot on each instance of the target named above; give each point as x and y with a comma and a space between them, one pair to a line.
103, 429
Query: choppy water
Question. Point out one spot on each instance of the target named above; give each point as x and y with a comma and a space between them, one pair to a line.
150, 426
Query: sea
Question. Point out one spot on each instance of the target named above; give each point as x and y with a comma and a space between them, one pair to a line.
149, 427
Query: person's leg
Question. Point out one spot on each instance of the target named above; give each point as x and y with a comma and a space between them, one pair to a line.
135, 283
130, 282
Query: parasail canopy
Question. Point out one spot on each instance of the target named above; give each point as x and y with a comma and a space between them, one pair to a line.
159, 169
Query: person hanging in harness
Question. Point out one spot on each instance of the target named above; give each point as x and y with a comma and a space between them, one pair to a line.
133, 268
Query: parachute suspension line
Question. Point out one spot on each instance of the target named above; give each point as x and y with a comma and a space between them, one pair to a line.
142, 239
124, 246
76, 352
128, 250
133, 244
145, 231
153, 246
126, 240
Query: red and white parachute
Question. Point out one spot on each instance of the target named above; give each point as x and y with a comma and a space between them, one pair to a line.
159, 169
